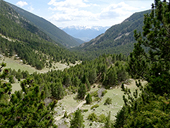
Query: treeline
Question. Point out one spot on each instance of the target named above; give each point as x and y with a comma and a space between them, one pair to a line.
36, 54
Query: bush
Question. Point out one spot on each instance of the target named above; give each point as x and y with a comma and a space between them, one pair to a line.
104, 92
108, 101
102, 118
95, 93
95, 106
84, 110
93, 117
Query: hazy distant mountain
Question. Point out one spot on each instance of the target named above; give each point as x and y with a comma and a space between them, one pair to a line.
117, 39
51, 30
85, 33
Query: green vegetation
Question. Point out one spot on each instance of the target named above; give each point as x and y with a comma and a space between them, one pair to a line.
144, 106
95, 106
31, 45
81, 91
88, 99
150, 108
77, 121
117, 39
93, 117
25, 108
108, 101
59, 36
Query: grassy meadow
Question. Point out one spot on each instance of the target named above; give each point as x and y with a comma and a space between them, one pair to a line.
70, 103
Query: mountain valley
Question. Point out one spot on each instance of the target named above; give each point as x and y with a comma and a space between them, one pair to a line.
85, 77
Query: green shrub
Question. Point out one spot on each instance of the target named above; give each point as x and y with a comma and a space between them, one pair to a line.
104, 92
102, 118
95, 106
84, 110
108, 101
95, 93
93, 117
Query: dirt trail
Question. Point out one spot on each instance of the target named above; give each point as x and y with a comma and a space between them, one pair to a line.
78, 107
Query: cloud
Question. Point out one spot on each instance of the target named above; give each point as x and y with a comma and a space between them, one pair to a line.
117, 10
68, 3
31, 8
71, 10
21, 3
81, 12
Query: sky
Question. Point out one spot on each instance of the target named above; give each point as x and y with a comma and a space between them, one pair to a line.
64, 13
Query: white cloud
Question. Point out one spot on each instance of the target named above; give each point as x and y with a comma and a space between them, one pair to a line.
71, 10
21, 3
82, 12
31, 8
117, 10
68, 3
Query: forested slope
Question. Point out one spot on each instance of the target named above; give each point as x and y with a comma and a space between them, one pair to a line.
29, 42
117, 39
51, 30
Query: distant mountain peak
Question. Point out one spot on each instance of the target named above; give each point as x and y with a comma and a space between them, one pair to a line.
77, 27
85, 33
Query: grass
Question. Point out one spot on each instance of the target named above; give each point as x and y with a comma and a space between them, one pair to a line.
15, 87
17, 64
115, 94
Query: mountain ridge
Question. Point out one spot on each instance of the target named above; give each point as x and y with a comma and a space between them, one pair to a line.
31, 44
117, 39
47, 27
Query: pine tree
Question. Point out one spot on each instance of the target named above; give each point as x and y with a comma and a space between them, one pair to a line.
153, 66
150, 108
77, 121
25, 108
88, 84
82, 91
88, 99
108, 123
76, 82
11, 79
92, 76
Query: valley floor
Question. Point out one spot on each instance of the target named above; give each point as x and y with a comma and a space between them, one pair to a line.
70, 104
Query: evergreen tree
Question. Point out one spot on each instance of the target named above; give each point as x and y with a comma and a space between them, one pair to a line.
76, 82
110, 78
82, 91
151, 107
88, 99
25, 108
154, 66
57, 90
88, 84
77, 121
11, 79
108, 123
67, 80
92, 76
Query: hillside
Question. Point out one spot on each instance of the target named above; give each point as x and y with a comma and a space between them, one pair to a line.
20, 36
117, 39
51, 30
